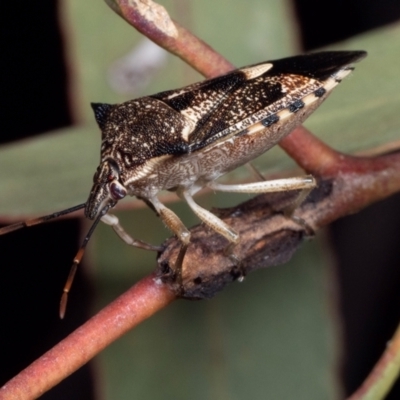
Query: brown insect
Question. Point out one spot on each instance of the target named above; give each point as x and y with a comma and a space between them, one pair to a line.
183, 140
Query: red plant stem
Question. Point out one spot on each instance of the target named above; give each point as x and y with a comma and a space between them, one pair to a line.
315, 156
139, 303
372, 178
309, 152
152, 20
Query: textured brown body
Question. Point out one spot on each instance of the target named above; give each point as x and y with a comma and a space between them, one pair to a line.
196, 169
183, 140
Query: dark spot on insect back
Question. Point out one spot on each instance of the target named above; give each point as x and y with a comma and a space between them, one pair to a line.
296, 106
243, 132
272, 119
181, 102
320, 92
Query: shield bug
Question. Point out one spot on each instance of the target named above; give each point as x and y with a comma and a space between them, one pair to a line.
183, 140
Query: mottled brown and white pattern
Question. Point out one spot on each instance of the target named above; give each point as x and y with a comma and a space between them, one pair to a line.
183, 140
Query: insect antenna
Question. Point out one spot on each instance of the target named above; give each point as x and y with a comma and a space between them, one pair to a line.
40, 220
77, 260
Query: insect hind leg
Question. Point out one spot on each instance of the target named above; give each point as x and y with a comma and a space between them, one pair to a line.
305, 184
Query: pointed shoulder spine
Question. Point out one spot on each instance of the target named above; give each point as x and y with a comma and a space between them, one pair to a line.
101, 112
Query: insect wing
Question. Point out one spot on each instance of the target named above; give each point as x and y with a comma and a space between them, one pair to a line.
234, 102
198, 102
230, 103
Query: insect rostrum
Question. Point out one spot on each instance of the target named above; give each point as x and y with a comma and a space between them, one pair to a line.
183, 140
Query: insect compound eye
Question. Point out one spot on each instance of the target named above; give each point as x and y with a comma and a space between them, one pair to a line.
117, 191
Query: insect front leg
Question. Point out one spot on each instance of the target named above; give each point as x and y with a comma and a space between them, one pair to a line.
112, 220
218, 226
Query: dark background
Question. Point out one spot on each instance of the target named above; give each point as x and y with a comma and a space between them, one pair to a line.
34, 83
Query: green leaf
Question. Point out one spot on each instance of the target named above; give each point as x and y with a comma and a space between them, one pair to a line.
363, 112
47, 173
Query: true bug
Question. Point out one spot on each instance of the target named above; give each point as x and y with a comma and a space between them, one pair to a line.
183, 140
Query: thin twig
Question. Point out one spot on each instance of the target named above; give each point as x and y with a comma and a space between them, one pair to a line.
130, 309
153, 21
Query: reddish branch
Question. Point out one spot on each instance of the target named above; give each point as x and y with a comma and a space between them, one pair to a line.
153, 21
134, 306
346, 184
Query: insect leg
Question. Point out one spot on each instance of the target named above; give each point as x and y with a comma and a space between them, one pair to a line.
251, 167
305, 184
210, 219
218, 226
277, 185
176, 226
112, 220
288, 211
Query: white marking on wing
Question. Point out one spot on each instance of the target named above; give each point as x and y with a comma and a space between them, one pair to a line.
188, 129
256, 71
